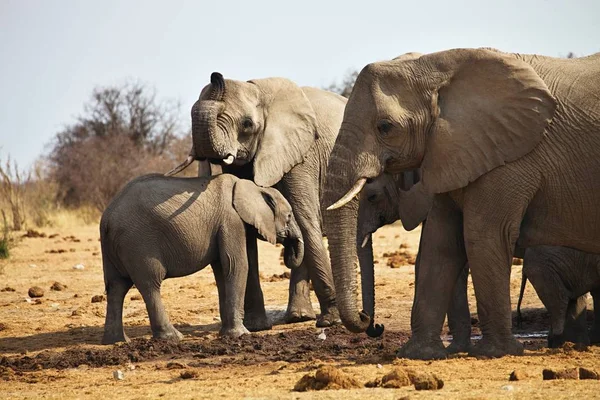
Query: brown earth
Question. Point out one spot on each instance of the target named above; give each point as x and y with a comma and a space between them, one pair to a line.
49, 347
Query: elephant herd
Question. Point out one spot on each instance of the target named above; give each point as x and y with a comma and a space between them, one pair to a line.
497, 154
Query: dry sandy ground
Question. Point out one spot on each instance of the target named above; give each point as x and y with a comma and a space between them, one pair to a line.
51, 349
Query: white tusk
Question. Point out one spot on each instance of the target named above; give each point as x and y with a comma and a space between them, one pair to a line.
365, 240
229, 159
182, 166
350, 195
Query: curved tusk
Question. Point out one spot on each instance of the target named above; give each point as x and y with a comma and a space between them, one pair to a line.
229, 159
182, 166
350, 195
365, 240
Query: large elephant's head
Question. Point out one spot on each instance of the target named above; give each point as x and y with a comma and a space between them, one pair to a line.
267, 122
455, 115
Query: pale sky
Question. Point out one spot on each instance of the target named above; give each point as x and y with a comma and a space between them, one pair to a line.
53, 53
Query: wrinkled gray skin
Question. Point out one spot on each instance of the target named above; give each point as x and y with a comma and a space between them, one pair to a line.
561, 277
510, 146
277, 134
159, 227
383, 201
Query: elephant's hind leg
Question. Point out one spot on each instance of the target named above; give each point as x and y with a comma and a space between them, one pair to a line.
117, 287
149, 287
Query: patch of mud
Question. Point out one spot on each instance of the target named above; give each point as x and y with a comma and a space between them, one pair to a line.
289, 346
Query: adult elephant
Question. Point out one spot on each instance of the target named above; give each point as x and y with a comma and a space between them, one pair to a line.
510, 146
277, 134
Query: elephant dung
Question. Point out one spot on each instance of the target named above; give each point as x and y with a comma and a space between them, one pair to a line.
57, 286
585, 373
326, 378
35, 291
518, 375
98, 298
397, 378
567, 373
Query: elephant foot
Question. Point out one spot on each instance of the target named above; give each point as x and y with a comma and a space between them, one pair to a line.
423, 350
495, 348
112, 338
329, 318
299, 310
234, 332
168, 333
459, 346
257, 322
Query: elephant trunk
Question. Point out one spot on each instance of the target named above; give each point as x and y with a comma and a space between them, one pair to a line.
367, 280
210, 141
346, 167
293, 252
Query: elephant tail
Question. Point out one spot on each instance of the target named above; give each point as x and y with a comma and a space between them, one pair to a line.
521, 292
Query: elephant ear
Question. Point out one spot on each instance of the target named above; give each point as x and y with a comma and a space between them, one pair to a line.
256, 207
290, 130
493, 109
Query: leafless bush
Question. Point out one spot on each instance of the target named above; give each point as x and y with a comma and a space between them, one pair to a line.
123, 132
12, 189
345, 87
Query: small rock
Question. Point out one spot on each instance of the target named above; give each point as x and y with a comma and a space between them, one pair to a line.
507, 387
77, 312
517, 375
57, 286
35, 291
79, 266
32, 266
130, 367
322, 335
585, 373
188, 374
118, 375
136, 297
3, 326
54, 305
98, 298
568, 373
7, 289
379, 366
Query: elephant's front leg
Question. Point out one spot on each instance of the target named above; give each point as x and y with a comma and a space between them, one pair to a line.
233, 276
300, 188
441, 259
255, 316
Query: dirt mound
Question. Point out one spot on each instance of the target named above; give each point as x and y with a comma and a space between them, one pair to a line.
31, 233
289, 346
400, 377
397, 259
326, 378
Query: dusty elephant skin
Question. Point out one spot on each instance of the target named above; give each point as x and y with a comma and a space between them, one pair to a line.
510, 146
561, 277
163, 227
277, 134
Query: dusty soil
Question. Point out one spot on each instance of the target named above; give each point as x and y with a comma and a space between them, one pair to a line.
49, 345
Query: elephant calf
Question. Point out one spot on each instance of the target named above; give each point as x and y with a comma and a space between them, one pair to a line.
162, 227
384, 200
561, 276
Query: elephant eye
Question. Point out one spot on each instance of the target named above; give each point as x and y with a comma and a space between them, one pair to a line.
372, 198
384, 126
247, 123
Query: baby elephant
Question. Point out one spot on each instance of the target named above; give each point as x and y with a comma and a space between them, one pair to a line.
561, 277
161, 227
